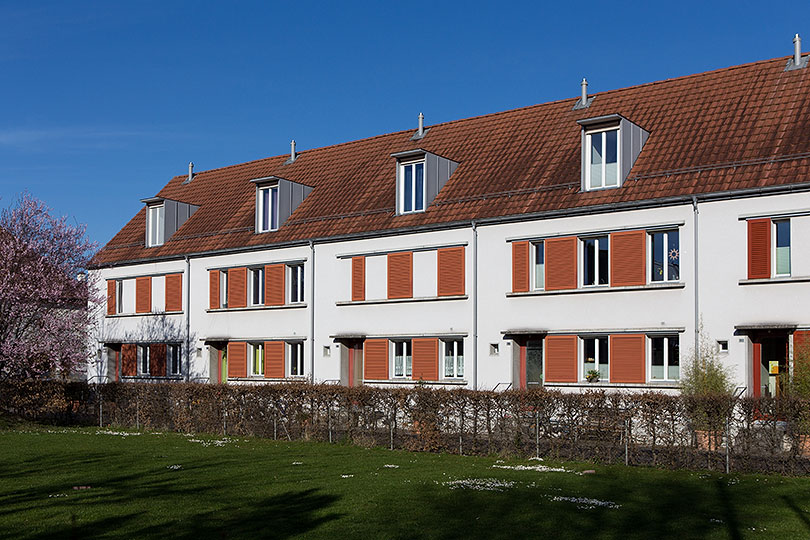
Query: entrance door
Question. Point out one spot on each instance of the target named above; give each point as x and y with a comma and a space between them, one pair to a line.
534, 363
355, 364
223, 365
770, 366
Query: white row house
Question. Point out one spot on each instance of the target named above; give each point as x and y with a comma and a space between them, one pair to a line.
585, 243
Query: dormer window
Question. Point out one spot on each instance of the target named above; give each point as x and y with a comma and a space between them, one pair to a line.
267, 208
412, 187
602, 149
155, 225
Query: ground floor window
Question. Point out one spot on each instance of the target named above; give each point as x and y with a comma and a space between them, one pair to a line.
173, 359
143, 359
595, 358
665, 361
256, 359
296, 358
454, 358
402, 358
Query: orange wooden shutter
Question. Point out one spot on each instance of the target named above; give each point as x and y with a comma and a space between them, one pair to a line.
400, 275
213, 289
274, 359
274, 275
174, 292
375, 359
237, 287
157, 359
561, 358
425, 359
110, 297
759, 248
628, 358
561, 263
450, 279
143, 294
358, 279
129, 360
628, 258
237, 359
520, 267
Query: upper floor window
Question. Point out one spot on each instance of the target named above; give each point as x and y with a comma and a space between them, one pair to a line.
595, 261
267, 208
296, 287
539, 265
256, 294
411, 187
665, 256
602, 158
119, 296
155, 225
223, 288
781, 231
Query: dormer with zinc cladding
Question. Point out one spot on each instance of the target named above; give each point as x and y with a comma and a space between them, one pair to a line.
610, 146
163, 218
435, 170
276, 200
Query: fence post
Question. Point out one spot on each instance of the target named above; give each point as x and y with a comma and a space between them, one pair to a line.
100, 407
391, 430
137, 410
275, 428
329, 420
626, 442
536, 434
728, 443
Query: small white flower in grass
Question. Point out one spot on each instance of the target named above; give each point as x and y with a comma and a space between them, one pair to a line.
535, 459
347, 476
297, 463
583, 503
479, 484
57, 495
538, 468
391, 466
174, 467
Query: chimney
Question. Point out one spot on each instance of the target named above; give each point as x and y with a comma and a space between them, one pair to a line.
293, 155
584, 85
797, 50
421, 131
190, 171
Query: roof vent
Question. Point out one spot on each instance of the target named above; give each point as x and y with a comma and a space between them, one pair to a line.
190, 172
420, 131
293, 153
797, 62
584, 101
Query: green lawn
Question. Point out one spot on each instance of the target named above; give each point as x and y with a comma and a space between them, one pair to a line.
170, 485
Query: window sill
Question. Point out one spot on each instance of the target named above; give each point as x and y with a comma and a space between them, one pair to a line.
443, 382
257, 379
673, 385
400, 300
602, 289
781, 279
256, 308
146, 378
150, 314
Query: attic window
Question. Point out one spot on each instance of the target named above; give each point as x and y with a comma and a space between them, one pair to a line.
602, 158
155, 225
267, 208
411, 187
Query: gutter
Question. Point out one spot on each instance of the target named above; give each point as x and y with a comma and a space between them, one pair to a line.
312, 313
188, 319
695, 214
475, 306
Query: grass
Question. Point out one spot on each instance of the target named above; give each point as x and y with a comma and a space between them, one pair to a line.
170, 485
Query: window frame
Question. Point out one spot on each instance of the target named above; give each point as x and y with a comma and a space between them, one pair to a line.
775, 249
650, 258
295, 272
174, 355
254, 346
602, 131
456, 344
223, 289
401, 166
273, 212
119, 296
295, 354
596, 269
143, 358
155, 212
407, 358
533, 265
597, 356
252, 282
666, 366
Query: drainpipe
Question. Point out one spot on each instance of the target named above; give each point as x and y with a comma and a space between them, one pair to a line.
475, 306
695, 214
188, 319
312, 312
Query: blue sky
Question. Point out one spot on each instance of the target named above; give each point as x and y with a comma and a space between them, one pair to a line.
103, 102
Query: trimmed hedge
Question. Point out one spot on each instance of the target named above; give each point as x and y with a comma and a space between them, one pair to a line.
754, 435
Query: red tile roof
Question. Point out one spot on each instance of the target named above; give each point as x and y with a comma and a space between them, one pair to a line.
740, 127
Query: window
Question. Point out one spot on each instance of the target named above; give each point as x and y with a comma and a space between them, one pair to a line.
539, 265
173, 359
411, 187
665, 359
223, 288
602, 159
154, 225
119, 296
722, 346
143, 359
267, 209
595, 357
296, 359
256, 294
595, 263
782, 243
534, 362
256, 351
454, 358
402, 359
296, 273
665, 256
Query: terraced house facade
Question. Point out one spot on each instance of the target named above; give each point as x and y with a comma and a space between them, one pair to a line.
586, 238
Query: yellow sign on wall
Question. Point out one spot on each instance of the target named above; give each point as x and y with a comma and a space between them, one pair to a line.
773, 367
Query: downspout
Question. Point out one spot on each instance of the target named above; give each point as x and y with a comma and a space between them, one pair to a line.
695, 214
188, 319
312, 312
475, 306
